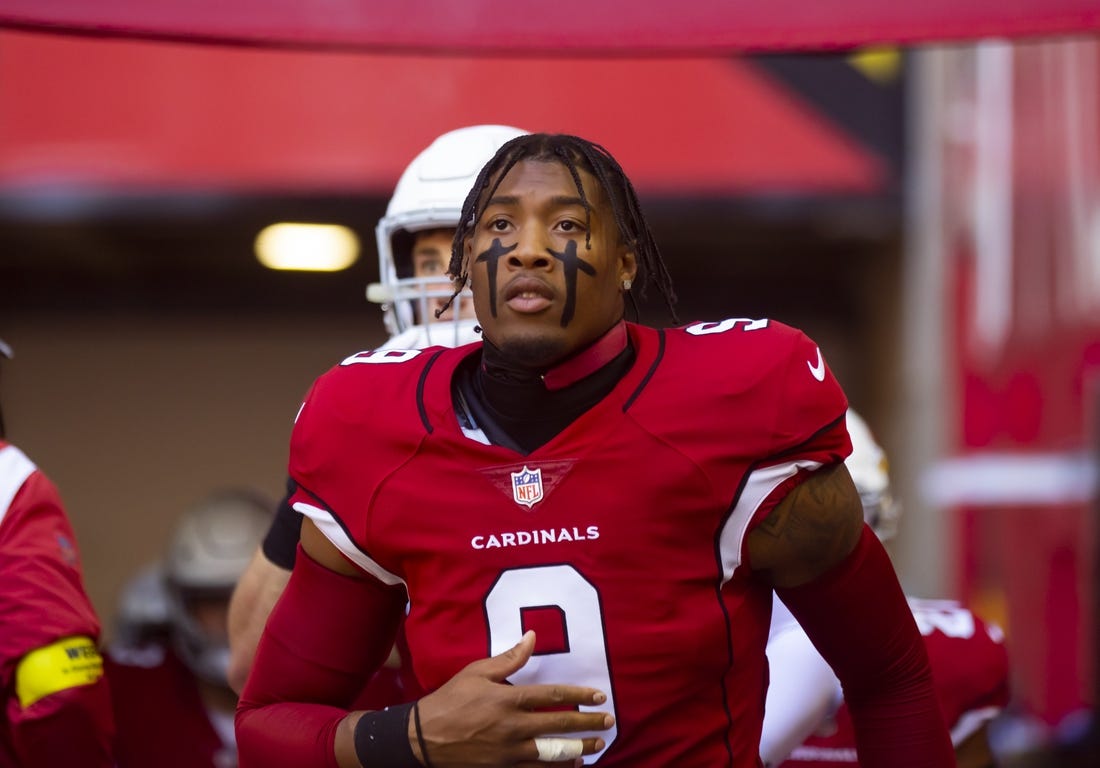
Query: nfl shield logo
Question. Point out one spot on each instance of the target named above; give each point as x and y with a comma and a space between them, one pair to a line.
527, 486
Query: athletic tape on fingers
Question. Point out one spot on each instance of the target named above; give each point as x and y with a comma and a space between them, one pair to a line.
552, 750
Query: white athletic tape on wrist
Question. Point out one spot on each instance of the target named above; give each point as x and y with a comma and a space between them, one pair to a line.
552, 750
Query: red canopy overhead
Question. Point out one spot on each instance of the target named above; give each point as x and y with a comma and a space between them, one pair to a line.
636, 27
140, 114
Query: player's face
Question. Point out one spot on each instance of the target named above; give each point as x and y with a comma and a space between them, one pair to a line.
212, 616
431, 256
540, 294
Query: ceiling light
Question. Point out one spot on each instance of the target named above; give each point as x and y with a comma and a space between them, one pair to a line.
307, 247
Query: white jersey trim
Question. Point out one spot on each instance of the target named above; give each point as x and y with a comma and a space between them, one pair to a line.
443, 333
15, 468
333, 531
758, 487
971, 722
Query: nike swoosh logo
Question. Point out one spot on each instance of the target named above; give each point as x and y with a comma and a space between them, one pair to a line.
817, 371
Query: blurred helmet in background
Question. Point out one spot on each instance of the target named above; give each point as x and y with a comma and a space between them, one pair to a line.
210, 548
869, 469
429, 196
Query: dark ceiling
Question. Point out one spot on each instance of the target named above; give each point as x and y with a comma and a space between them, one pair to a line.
185, 253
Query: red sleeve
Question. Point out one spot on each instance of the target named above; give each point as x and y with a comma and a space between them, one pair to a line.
72, 727
812, 406
42, 600
42, 596
858, 618
326, 635
392, 685
808, 429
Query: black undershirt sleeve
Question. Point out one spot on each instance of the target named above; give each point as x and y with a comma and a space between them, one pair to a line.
281, 541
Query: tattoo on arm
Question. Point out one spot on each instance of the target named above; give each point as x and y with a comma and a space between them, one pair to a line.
814, 527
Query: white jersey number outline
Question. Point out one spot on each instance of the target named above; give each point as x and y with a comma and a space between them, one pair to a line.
382, 356
585, 661
952, 621
705, 329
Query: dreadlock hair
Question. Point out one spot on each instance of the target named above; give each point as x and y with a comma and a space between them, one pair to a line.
3, 433
573, 152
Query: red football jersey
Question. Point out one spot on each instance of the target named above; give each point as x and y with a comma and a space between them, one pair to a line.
970, 670
42, 600
160, 715
620, 541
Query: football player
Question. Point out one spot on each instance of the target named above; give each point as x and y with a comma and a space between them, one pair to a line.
57, 706
580, 520
968, 657
414, 251
168, 670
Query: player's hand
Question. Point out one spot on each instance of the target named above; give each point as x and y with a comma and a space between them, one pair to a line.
477, 720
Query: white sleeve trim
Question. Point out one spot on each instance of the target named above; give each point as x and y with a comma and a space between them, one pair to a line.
971, 722
15, 468
335, 533
758, 487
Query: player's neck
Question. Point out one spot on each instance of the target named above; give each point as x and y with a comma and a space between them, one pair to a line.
516, 407
564, 374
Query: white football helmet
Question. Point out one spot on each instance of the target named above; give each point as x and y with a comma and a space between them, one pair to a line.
210, 548
870, 472
429, 195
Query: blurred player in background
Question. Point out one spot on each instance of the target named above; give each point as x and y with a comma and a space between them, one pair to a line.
968, 657
414, 250
168, 664
57, 706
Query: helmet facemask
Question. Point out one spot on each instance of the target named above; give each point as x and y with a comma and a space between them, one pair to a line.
410, 301
205, 652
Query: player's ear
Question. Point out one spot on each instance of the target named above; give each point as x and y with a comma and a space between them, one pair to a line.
628, 265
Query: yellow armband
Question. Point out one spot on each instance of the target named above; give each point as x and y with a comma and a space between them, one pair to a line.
68, 663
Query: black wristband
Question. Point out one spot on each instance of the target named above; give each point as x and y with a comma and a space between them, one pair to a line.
382, 738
